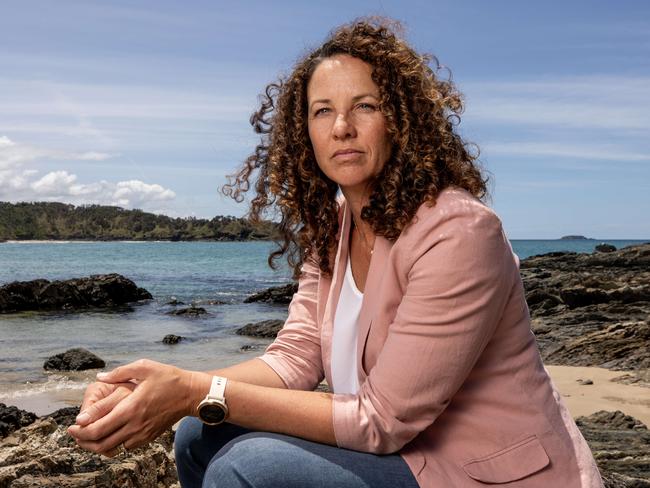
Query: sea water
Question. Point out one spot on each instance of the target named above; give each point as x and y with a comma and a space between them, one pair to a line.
215, 275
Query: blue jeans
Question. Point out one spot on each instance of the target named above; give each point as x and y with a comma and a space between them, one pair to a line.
228, 456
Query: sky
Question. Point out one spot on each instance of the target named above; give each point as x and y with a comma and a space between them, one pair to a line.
146, 104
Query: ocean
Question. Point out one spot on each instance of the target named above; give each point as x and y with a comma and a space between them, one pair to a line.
191, 272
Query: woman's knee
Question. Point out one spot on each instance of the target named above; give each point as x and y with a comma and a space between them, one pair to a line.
252, 460
187, 434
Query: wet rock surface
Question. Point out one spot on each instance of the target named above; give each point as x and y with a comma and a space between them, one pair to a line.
188, 312
277, 294
95, 291
591, 309
265, 328
172, 339
76, 359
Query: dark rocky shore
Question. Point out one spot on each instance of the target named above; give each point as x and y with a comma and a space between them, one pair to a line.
42, 454
592, 309
95, 291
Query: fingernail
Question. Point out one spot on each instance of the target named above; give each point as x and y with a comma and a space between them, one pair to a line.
101, 376
83, 417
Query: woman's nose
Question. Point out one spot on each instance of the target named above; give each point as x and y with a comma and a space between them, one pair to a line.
343, 127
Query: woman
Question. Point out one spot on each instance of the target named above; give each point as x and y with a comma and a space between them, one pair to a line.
409, 303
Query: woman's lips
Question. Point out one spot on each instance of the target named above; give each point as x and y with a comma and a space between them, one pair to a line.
347, 154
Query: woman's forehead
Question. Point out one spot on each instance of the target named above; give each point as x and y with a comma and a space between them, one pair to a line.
341, 73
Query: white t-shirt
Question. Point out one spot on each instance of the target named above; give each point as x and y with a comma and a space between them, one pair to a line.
344, 337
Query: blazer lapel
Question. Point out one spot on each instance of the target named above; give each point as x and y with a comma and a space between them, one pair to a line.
371, 297
329, 291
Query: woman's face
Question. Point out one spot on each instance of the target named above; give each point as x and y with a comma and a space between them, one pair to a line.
346, 128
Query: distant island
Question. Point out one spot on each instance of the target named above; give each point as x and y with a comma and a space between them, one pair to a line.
576, 238
60, 221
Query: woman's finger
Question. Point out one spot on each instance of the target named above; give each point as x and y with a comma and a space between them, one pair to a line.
102, 407
136, 370
110, 445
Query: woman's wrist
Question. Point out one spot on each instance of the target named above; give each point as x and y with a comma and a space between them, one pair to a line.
199, 387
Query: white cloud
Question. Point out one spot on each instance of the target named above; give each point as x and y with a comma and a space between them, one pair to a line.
20, 184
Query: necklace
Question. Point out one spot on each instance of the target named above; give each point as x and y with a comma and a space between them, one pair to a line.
363, 237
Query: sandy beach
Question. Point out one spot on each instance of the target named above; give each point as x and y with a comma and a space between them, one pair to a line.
604, 394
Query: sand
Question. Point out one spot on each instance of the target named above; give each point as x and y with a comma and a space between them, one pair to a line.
604, 394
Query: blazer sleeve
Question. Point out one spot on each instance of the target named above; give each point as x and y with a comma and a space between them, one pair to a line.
295, 355
460, 274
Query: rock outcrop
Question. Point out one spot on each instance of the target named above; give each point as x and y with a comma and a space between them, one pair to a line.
277, 294
44, 455
188, 312
621, 447
95, 291
13, 418
265, 328
591, 309
76, 359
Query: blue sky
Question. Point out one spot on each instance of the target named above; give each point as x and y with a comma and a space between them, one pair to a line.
146, 104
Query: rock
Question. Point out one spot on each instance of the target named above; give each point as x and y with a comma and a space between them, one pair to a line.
265, 328
252, 347
585, 382
13, 418
621, 447
94, 291
64, 416
188, 312
44, 455
76, 359
602, 247
277, 294
591, 309
172, 339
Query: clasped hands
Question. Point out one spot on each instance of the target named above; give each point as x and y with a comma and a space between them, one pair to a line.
132, 405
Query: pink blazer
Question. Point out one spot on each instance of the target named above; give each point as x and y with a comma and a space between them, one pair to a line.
450, 374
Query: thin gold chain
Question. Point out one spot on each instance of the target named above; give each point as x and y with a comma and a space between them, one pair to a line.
363, 237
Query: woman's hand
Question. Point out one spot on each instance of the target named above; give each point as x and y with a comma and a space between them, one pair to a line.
112, 416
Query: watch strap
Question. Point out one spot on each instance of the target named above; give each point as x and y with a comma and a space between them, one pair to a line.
217, 388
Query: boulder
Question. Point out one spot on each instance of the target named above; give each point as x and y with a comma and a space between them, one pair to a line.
76, 359
172, 339
95, 291
13, 418
277, 294
188, 312
605, 248
265, 328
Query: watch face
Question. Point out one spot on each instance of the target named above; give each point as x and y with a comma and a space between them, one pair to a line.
212, 413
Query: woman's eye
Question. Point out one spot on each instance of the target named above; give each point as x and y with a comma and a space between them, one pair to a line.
367, 107
321, 111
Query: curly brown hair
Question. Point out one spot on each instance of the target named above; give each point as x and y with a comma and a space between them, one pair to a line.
427, 156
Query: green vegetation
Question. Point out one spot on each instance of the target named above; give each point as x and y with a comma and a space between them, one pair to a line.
60, 221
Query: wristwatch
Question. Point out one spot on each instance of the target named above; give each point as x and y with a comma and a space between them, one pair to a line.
213, 409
